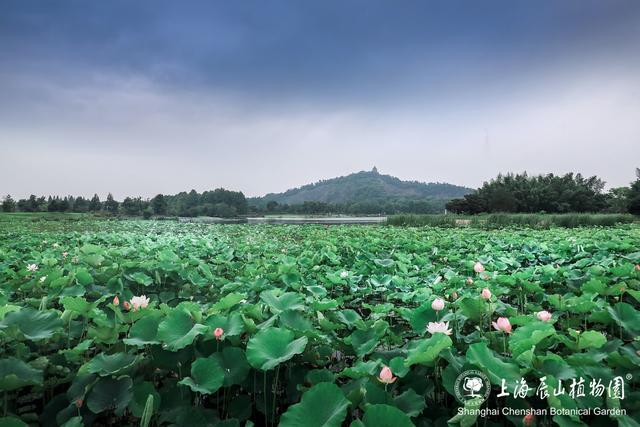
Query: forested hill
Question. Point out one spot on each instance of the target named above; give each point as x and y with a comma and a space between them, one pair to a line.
367, 187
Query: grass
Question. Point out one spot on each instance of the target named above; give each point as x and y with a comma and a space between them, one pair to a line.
500, 220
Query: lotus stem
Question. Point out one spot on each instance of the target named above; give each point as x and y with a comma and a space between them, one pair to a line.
264, 392
275, 394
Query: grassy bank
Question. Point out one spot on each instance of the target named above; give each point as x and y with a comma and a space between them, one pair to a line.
505, 220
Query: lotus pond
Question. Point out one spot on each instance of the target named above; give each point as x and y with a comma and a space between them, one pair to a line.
158, 323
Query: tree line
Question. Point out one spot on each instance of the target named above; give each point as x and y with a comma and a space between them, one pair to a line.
521, 193
219, 202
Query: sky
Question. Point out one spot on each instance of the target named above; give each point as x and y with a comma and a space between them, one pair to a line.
138, 97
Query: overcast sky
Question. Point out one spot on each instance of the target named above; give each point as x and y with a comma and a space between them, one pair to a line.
139, 98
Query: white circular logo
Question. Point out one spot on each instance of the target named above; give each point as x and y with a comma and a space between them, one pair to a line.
472, 384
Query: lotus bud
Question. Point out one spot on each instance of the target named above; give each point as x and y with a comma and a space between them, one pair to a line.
485, 294
218, 332
116, 300
502, 325
478, 267
386, 376
437, 304
543, 315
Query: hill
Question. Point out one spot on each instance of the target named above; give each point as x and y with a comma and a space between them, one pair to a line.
367, 192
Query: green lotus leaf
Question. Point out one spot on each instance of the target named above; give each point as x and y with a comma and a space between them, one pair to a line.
362, 369
286, 301
421, 316
76, 304
83, 277
232, 324
141, 278
364, 342
272, 346
323, 405
14, 373
385, 416
473, 308
141, 393
143, 332
410, 402
626, 317
591, 339
496, 369
207, 376
295, 320
527, 336
110, 364
234, 364
349, 317
426, 351
12, 422
317, 376
74, 422
398, 367
35, 325
177, 330
110, 394
227, 302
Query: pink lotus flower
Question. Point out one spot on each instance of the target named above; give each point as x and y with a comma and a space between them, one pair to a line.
126, 305
32, 267
469, 281
139, 302
485, 294
437, 304
218, 332
454, 295
502, 325
116, 300
637, 267
64, 254
438, 328
478, 267
344, 275
543, 315
386, 376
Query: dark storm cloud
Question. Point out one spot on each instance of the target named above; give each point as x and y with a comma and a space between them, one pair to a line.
145, 83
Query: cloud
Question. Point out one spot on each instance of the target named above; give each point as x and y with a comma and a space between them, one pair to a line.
137, 99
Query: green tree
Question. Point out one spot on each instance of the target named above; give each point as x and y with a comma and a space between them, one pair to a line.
111, 205
8, 204
633, 195
159, 205
95, 204
80, 204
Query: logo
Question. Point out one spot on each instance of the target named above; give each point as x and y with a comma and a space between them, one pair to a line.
472, 384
